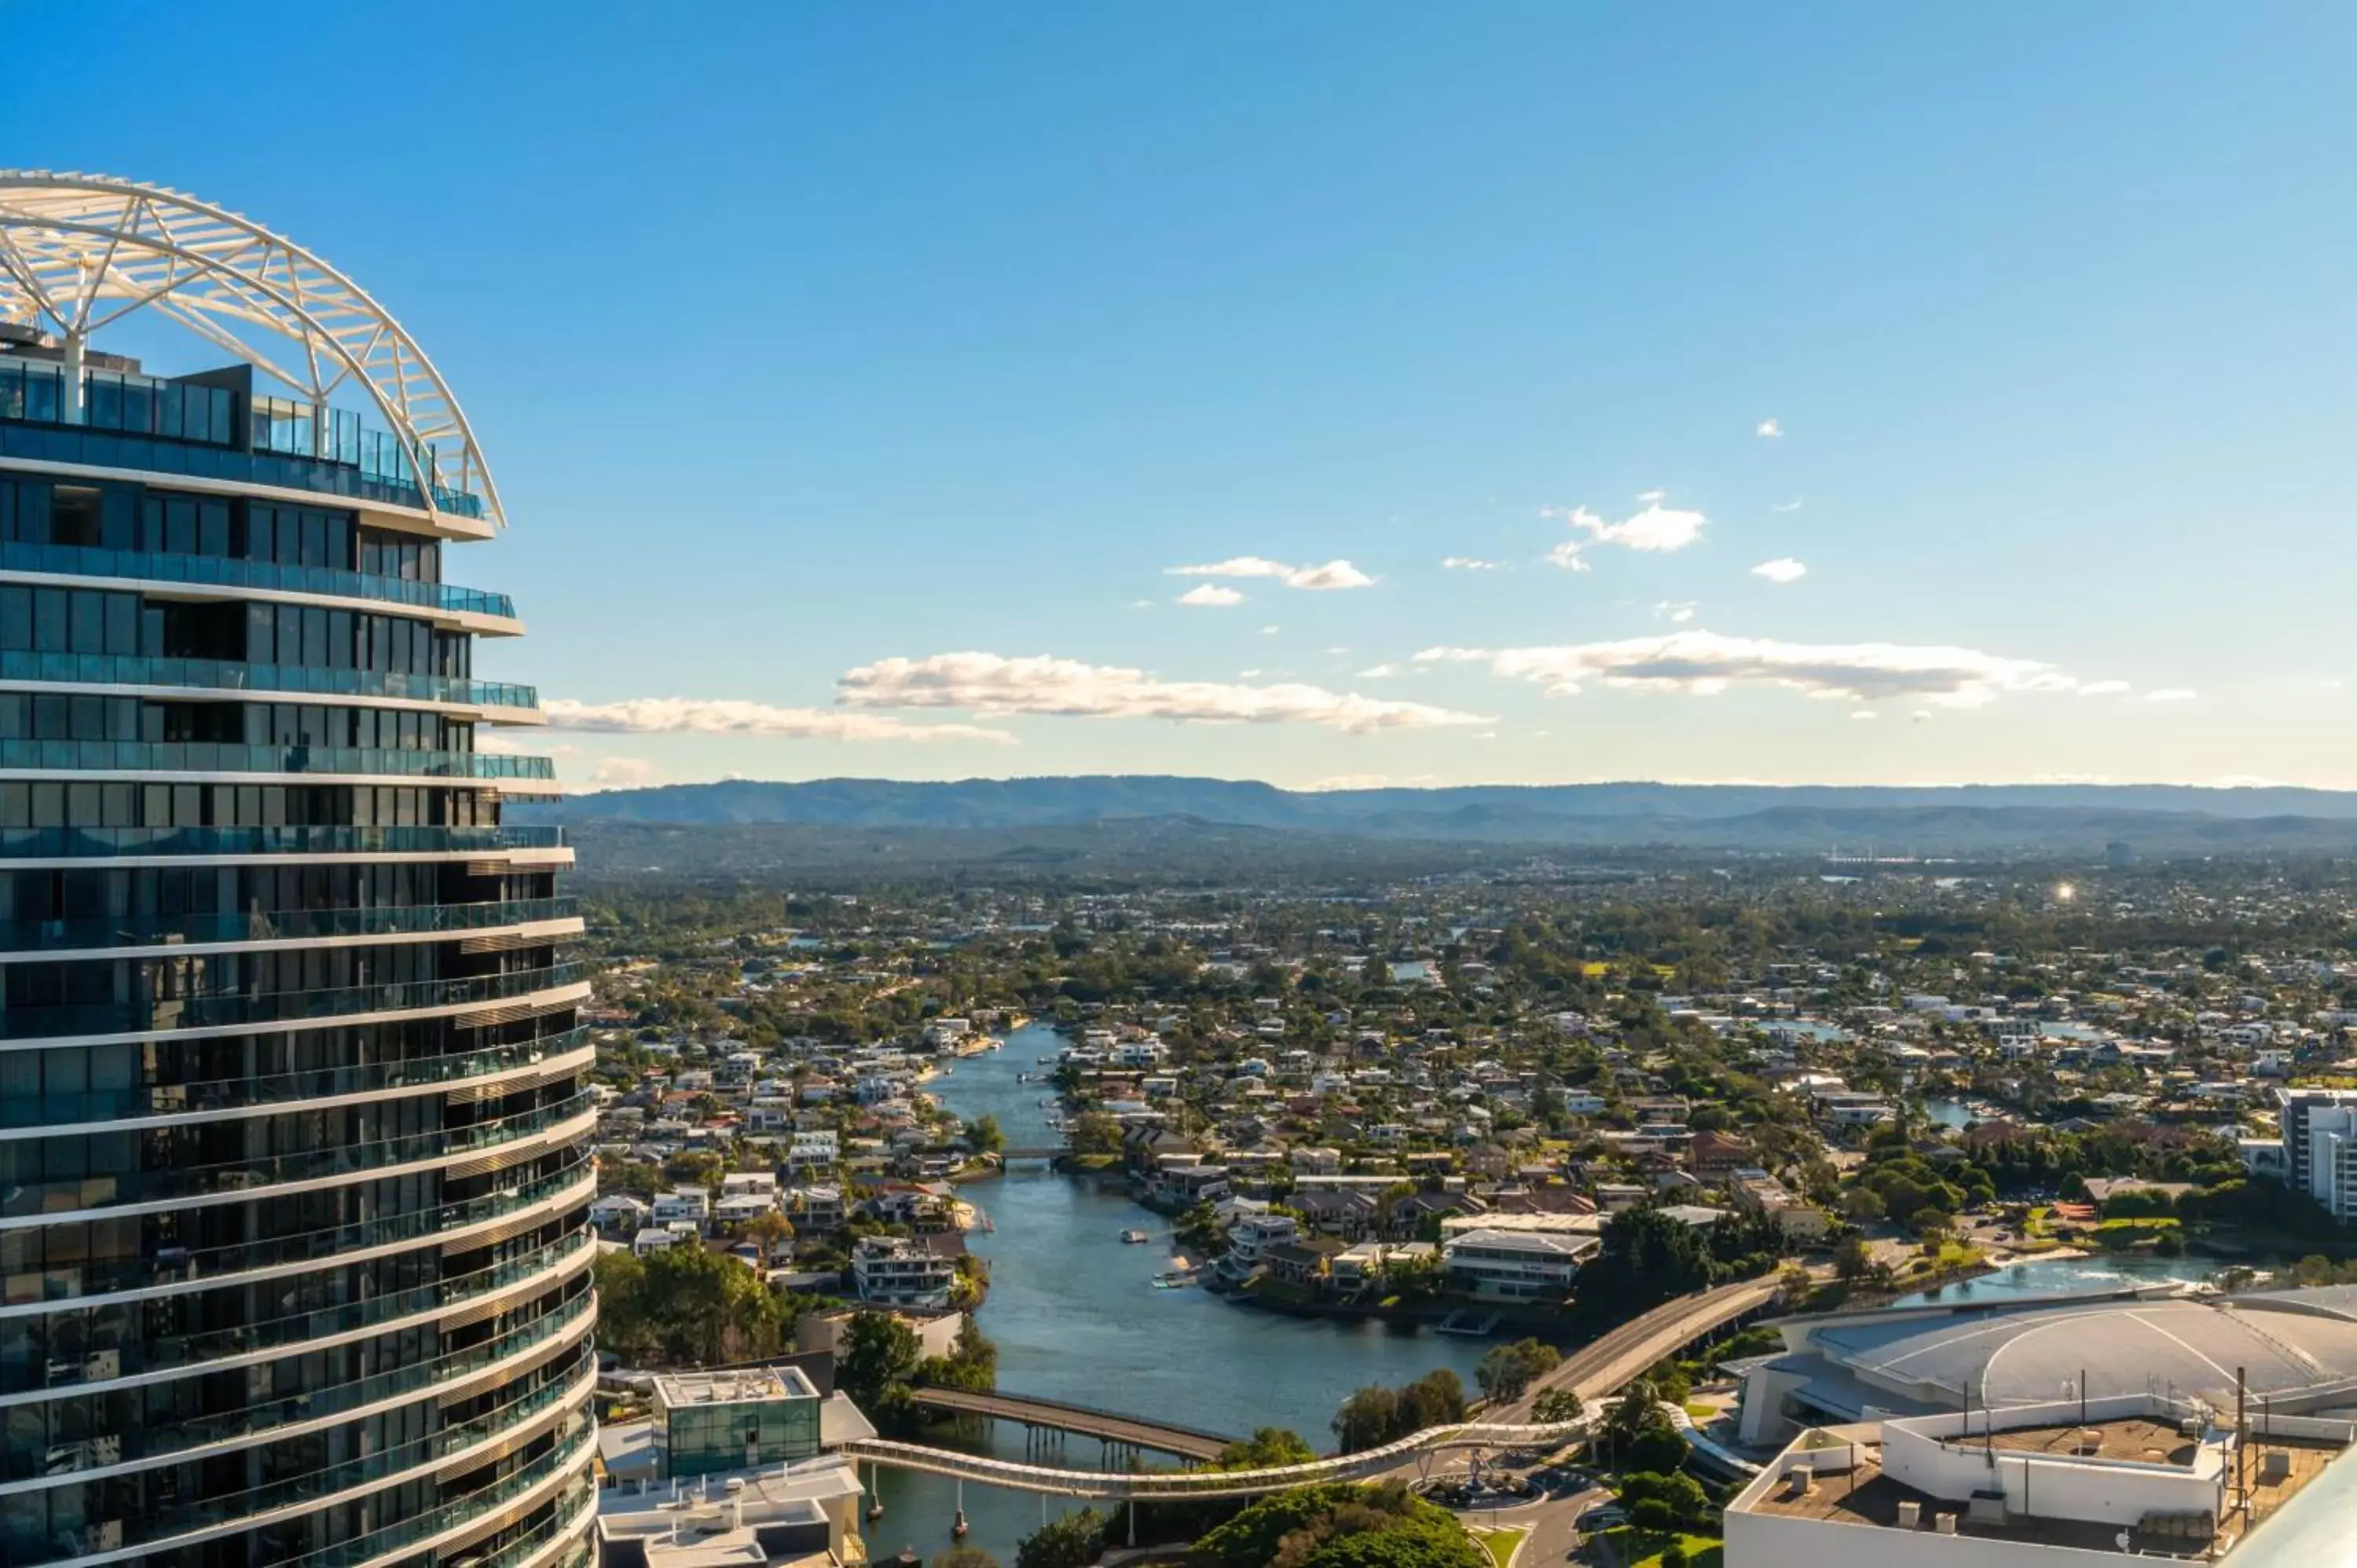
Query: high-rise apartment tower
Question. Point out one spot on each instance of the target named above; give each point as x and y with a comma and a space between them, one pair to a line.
294, 1270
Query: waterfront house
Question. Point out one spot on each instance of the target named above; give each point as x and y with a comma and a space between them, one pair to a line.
1515, 1265
897, 1271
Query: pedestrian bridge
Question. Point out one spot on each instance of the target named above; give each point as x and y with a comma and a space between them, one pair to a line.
1148, 1485
1104, 1426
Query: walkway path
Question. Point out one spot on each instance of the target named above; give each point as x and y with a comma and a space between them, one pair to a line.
1121, 1485
1106, 1426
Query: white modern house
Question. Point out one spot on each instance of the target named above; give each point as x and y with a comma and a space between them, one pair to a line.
893, 1270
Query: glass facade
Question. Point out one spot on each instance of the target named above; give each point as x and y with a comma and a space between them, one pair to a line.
709, 1423
294, 1183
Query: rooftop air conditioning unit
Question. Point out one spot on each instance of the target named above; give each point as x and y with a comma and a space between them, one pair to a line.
1945, 1524
1911, 1514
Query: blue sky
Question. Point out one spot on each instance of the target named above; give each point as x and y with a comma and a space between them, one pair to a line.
857, 377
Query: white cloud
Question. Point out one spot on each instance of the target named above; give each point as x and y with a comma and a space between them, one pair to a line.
1325, 578
1864, 714
1467, 563
1920, 716
1677, 611
1784, 569
2171, 694
992, 684
618, 773
1365, 781
1704, 663
1792, 504
1270, 631
2103, 688
1379, 671
1211, 594
1656, 529
721, 715
1770, 428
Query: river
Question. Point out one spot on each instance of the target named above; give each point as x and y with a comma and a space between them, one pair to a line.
1076, 1316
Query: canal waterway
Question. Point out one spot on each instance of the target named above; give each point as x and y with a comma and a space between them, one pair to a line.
1075, 1315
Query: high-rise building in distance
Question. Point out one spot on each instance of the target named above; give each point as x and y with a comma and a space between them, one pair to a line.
293, 1266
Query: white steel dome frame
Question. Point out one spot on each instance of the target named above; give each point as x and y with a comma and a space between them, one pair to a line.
79, 251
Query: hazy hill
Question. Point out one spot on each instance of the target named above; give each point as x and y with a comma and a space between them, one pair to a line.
2010, 819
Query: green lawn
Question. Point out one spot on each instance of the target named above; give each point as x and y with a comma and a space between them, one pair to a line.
1702, 1552
1701, 1411
1500, 1542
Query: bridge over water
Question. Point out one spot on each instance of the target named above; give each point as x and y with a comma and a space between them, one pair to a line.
1594, 1369
1106, 1426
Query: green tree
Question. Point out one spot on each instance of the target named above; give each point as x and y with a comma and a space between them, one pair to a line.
1367, 1420
1509, 1369
1267, 1449
1556, 1404
686, 1304
1435, 1398
1093, 1132
878, 1358
984, 1135
1071, 1541
965, 1557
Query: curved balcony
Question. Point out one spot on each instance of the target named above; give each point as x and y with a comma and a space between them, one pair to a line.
255, 1177
213, 1096
68, 844
574, 1509
195, 1352
201, 1267
280, 925
87, 446
164, 1014
223, 572
229, 675
574, 1446
156, 1525
226, 756
142, 1444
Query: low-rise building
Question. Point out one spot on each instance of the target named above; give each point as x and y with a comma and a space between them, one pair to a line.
1515, 1265
895, 1270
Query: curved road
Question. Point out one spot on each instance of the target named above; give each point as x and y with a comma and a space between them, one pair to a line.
1624, 1354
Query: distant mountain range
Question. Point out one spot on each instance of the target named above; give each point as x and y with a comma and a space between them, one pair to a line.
2155, 817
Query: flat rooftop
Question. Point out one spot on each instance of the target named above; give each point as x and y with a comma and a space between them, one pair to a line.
1864, 1496
748, 1386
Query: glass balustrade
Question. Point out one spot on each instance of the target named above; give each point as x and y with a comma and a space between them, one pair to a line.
47, 842
279, 1007
168, 1265
572, 1443
192, 1351
20, 437
232, 675
278, 925
155, 1523
57, 1455
51, 1108
230, 757
256, 1176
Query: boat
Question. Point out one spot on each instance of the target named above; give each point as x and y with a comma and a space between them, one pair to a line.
1135, 1237
1174, 1280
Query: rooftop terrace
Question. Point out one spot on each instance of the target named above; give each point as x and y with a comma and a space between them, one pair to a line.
1851, 1488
